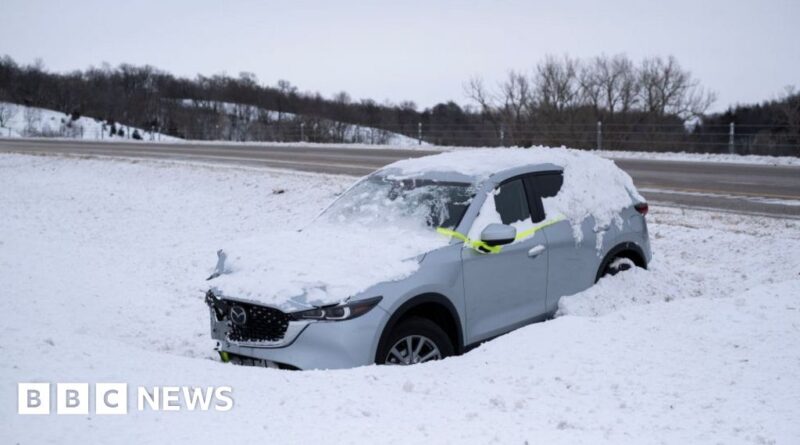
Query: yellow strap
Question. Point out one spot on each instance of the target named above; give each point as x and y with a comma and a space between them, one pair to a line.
475, 244
478, 244
530, 232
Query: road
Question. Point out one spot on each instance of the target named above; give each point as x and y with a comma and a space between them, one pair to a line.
743, 188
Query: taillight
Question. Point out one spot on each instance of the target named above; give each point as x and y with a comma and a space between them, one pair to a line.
642, 208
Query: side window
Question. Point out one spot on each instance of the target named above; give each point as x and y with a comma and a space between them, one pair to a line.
548, 184
543, 185
511, 202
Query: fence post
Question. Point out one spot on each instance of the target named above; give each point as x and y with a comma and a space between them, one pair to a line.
599, 135
502, 136
731, 143
419, 133
302, 131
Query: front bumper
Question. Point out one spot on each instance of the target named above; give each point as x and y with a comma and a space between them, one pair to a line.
311, 344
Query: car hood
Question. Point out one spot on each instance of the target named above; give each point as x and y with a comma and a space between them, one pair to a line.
295, 270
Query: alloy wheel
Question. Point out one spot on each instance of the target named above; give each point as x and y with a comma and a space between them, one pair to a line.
413, 349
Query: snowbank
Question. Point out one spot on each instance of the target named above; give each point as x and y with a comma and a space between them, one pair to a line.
100, 261
700, 157
608, 154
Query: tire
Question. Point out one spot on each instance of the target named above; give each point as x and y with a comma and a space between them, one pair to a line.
617, 265
426, 339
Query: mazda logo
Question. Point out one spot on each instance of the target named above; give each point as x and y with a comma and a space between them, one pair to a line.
238, 315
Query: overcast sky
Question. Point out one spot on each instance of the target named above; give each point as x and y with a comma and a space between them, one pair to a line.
423, 51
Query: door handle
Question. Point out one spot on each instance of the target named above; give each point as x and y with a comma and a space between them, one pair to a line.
536, 251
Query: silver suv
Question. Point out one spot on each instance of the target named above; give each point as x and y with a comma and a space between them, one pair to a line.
503, 263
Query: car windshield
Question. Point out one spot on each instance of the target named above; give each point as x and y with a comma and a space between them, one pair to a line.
410, 202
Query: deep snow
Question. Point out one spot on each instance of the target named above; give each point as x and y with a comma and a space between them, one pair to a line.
100, 260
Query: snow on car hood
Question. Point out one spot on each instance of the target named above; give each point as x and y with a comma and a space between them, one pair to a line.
324, 264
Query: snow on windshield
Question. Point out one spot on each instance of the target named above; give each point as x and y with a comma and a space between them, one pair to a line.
411, 203
373, 233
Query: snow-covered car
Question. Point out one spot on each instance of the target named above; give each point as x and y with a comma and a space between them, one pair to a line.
426, 258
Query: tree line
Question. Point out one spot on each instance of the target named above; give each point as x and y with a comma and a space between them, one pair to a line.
611, 102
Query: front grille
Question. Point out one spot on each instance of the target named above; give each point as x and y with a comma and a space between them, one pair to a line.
262, 324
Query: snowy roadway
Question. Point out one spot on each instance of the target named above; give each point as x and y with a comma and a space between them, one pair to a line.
100, 259
718, 182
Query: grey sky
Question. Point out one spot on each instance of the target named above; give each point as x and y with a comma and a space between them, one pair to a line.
746, 51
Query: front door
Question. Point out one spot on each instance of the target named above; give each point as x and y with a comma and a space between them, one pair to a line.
508, 289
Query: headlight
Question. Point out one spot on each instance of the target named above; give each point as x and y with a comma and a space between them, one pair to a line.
344, 311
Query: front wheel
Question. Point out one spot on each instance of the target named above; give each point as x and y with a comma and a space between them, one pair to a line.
415, 340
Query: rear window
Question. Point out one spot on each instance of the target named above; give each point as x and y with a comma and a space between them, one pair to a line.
547, 185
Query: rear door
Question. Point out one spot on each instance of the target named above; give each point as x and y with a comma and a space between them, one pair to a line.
571, 264
507, 289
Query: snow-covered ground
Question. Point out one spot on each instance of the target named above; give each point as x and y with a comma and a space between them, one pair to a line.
100, 262
25, 121
684, 157
702, 157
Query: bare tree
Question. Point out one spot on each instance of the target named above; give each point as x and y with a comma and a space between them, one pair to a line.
33, 117
590, 79
556, 83
628, 85
478, 93
615, 80
789, 105
508, 108
516, 96
7, 112
340, 129
666, 88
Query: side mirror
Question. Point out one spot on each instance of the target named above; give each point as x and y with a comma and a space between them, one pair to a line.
498, 234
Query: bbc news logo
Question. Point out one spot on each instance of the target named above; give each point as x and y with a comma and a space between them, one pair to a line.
112, 398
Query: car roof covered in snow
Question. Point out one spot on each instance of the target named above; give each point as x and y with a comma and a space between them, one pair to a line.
474, 165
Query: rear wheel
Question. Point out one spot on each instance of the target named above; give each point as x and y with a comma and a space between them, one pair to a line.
415, 340
617, 265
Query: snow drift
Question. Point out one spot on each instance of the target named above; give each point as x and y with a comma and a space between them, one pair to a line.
100, 260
